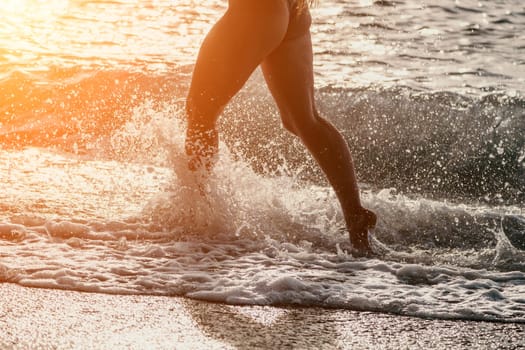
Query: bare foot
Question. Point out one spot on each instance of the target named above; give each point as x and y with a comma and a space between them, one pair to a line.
358, 226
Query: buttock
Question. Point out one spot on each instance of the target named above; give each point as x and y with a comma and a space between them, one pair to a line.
300, 21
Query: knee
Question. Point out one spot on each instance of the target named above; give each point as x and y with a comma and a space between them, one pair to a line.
289, 124
302, 126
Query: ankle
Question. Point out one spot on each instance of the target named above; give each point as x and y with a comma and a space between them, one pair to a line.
361, 219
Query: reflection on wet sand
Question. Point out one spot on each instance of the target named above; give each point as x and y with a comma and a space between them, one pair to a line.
53, 319
262, 327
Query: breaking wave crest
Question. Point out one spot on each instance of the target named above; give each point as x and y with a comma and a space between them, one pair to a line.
99, 199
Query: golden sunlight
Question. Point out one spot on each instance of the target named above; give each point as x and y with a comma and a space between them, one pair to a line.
29, 27
27, 7
31, 8
14, 6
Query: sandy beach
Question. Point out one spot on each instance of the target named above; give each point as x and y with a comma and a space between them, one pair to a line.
54, 319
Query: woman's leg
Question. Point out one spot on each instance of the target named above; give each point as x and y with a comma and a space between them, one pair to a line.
236, 45
289, 74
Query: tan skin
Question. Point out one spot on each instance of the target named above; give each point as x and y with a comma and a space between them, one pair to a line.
275, 35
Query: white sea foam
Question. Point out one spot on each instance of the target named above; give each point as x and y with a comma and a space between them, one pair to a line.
139, 227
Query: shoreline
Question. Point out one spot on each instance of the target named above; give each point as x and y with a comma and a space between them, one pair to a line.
50, 318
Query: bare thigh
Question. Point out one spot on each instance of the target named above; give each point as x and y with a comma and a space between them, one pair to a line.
289, 75
248, 32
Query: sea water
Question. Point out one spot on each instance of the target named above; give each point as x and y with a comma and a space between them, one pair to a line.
96, 196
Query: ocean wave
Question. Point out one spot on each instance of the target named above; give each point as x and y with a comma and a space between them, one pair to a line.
134, 220
272, 258
440, 144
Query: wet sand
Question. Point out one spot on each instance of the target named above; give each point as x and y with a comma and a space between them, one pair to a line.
42, 318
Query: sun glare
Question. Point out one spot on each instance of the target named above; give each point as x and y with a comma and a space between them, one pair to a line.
25, 22
15, 6
31, 8
11, 6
